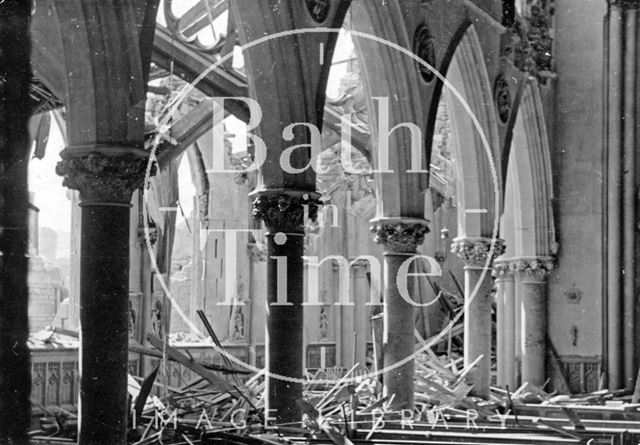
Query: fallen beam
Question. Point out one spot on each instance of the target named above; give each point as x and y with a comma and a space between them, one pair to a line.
139, 349
194, 366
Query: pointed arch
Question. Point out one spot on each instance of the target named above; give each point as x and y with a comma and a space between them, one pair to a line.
529, 227
477, 175
389, 74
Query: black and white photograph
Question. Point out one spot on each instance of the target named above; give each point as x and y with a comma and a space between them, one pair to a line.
328, 222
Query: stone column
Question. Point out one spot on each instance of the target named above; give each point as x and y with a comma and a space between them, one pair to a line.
283, 212
506, 328
15, 109
533, 274
74, 275
257, 257
146, 280
347, 322
106, 178
629, 190
619, 189
196, 274
361, 298
400, 239
518, 333
478, 255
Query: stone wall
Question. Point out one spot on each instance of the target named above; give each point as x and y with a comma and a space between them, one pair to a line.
575, 287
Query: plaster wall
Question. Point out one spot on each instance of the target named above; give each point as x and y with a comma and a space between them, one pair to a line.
576, 154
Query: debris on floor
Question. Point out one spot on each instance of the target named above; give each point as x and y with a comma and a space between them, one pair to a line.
225, 406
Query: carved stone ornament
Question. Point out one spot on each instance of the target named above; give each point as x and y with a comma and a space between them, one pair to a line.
153, 234
424, 47
573, 295
531, 40
203, 207
402, 237
440, 257
256, 253
501, 268
102, 178
323, 322
535, 267
502, 97
238, 325
475, 253
319, 9
284, 213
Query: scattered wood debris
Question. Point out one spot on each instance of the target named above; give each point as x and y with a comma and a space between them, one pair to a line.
224, 405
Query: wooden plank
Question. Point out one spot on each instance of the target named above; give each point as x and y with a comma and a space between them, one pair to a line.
187, 130
559, 429
145, 390
556, 360
193, 365
137, 348
573, 418
170, 53
467, 369
331, 431
199, 16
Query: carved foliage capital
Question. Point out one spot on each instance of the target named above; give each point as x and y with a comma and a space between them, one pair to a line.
502, 97
256, 253
102, 178
284, 213
502, 269
478, 253
538, 268
400, 236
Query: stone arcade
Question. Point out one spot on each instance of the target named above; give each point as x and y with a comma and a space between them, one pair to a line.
524, 188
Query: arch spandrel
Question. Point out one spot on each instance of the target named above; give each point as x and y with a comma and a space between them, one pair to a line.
47, 52
520, 188
292, 92
386, 73
508, 88
90, 73
529, 182
393, 76
448, 23
478, 179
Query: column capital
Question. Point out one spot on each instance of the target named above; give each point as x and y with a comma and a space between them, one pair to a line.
103, 174
401, 235
502, 269
625, 4
478, 252
534, 267
285, 210
256, 253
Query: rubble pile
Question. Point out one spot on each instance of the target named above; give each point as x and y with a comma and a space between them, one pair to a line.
224, 405
353, 410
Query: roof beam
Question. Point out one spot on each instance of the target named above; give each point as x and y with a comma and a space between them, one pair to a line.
200, 16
